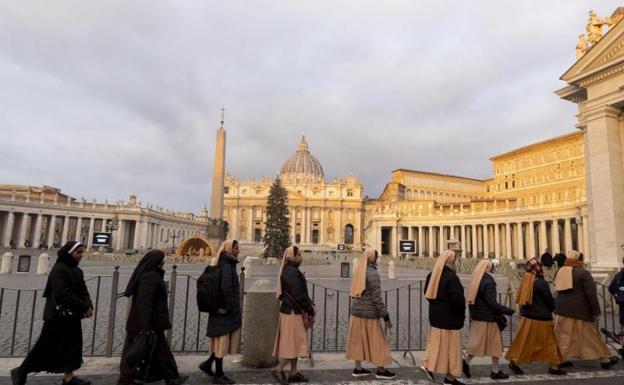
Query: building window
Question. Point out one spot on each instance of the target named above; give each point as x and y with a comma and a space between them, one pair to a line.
348, 234
226, 190
349, 193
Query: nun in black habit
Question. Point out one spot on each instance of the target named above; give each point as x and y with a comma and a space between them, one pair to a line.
59, 347
149, 313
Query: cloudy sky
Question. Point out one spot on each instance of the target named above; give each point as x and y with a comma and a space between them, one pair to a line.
106, 99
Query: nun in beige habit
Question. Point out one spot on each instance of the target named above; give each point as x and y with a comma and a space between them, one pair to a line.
291, 341
367, 340
447, 308
576, 310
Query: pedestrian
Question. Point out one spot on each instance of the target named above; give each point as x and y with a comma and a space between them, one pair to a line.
59, 347
367, 340
616, 288
559, 259
485, 339
447, 308
149, 314
577, 310
224, 328
547, 259
535, 339
291, 341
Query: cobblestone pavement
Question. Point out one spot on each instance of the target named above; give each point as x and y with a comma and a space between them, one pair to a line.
406, 305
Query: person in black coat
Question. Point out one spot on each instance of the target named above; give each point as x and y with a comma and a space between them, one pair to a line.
559, 259
547, 259
59, 347
291, 340
224, 328
149, 314
485, 338
447, 312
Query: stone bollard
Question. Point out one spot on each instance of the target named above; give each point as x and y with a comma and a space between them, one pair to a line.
354, 266
391, 270
260, 318
42, 264
248, 263
7, 263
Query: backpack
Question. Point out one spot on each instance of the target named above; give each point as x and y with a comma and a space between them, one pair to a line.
209, 295
616, 284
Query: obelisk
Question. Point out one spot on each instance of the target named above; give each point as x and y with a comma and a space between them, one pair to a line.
217, 228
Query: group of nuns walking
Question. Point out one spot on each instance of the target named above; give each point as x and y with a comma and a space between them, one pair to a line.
540, 337
571, 333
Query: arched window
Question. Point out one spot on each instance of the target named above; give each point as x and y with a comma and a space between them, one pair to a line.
348, 234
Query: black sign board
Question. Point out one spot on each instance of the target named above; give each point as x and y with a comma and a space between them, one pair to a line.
407, 246
341, 247
23, 264
101, 239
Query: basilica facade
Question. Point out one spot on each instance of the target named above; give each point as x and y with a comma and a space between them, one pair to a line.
534, 200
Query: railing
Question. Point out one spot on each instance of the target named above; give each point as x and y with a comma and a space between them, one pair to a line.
103, 334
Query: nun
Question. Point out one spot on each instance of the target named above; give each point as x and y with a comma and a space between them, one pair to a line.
149, 314
367, 340
59, 347
447, 312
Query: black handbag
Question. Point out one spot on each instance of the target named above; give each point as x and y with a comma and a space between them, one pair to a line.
139, 355
501, 321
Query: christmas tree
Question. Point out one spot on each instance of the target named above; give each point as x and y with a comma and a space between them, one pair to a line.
277, 233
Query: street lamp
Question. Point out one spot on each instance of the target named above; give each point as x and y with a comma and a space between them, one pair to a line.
173, 236
112, 224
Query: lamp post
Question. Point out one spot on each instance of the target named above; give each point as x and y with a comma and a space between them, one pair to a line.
173, 236
112, 224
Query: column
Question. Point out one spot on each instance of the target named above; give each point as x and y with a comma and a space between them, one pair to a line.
463, 240
65, 230
393, 241
531, 246
250, 225
421, 241
441, 239
580, 236
377, 229
323, 227
78, 236
520, 241
21, 237
543, 237
556, 241
120, 235
497, 251
486, 241
90, 234
605, 183
38, 224
430, 241
586, 238
293, 224
51, 228
309, 225
475, 243
567, 229
508, 252
8, 230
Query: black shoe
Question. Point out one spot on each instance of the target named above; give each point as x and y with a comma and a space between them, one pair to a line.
515, 368
280, 377
360, 372
297, 378
621, 352
18, 376
223, 380
454, 381
385, 375
499, 376
466, 369
557, 372
206, 367
566, 364
177, 381
76, 381
429, 375
612, 361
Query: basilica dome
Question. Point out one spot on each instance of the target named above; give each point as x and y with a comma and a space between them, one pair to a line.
302, 165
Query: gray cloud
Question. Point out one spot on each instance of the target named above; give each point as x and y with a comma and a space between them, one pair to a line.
108, 99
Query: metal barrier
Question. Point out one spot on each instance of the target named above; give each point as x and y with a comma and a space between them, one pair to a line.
21, 313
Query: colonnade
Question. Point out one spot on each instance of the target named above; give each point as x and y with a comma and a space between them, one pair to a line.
518, 239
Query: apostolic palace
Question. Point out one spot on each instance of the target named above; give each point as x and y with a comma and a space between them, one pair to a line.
560, 193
